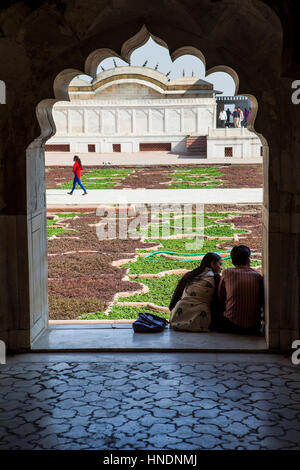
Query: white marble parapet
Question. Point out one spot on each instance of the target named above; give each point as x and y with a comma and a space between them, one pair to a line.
94, 103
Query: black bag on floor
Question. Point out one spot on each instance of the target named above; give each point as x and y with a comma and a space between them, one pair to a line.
149, 323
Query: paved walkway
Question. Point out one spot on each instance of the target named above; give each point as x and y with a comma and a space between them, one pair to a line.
96, 197
140, 158
149, 401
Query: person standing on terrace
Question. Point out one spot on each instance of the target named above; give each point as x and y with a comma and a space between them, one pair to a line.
222, 117
236, 117
228, 112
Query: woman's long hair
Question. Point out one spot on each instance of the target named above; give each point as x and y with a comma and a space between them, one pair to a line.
77, 159
191, 275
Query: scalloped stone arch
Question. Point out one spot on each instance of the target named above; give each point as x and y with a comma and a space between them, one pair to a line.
61, 93
34, 56
61, 86
188, 50
229, 71
63, 79
139, 40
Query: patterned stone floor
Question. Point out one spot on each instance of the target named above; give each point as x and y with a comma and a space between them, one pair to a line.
150, 401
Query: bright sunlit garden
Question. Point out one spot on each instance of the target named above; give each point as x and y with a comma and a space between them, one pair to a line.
116, 279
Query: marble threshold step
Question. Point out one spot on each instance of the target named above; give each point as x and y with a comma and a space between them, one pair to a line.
120, 337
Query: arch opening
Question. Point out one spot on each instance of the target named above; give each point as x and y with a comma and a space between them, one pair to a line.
63, 84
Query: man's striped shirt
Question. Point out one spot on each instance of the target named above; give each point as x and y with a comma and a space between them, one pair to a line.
241, 291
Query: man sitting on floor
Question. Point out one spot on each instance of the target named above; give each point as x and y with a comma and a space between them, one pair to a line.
241, 295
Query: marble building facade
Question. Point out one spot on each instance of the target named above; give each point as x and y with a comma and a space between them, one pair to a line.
129, 109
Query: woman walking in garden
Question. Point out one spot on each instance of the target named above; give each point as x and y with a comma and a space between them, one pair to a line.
77, 167
194, 305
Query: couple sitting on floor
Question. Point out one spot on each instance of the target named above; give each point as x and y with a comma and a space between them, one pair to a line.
203, 300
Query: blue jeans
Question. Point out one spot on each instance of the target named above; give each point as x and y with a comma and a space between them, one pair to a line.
77, 180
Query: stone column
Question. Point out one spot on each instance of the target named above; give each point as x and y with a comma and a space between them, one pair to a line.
100, 121
214, 123
69, 121
117, 122
23, 242
85, 122
281, 215
37, 240
182, 120
133, 121
198, 119
166, 121
149, 121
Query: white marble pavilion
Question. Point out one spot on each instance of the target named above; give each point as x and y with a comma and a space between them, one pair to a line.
132, 109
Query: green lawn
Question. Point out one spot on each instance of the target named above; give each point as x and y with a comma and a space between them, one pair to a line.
55, 227
105, 178
121, 311
181, 178
57, 231
197, 178
160, 289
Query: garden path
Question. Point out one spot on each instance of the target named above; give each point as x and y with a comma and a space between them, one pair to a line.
140, 159
58, 198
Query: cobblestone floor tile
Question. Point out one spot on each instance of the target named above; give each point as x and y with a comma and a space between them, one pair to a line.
150, 420
163, 441
183, 432
178, 405
205, 441
134, 413
206, 428
165, 413
184, 446
274, 443
208, 413
184, 410
238, 429
131, 427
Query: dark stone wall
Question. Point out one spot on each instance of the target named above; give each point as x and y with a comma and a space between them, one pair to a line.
39, 40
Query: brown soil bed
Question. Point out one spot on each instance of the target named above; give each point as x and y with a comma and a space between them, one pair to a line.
242, 176
85, 282
250, 221
82, 282
148, 178
55, 176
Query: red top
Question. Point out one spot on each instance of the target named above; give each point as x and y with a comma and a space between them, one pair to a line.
77, 169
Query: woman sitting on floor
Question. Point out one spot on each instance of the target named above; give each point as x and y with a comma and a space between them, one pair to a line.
194, 304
